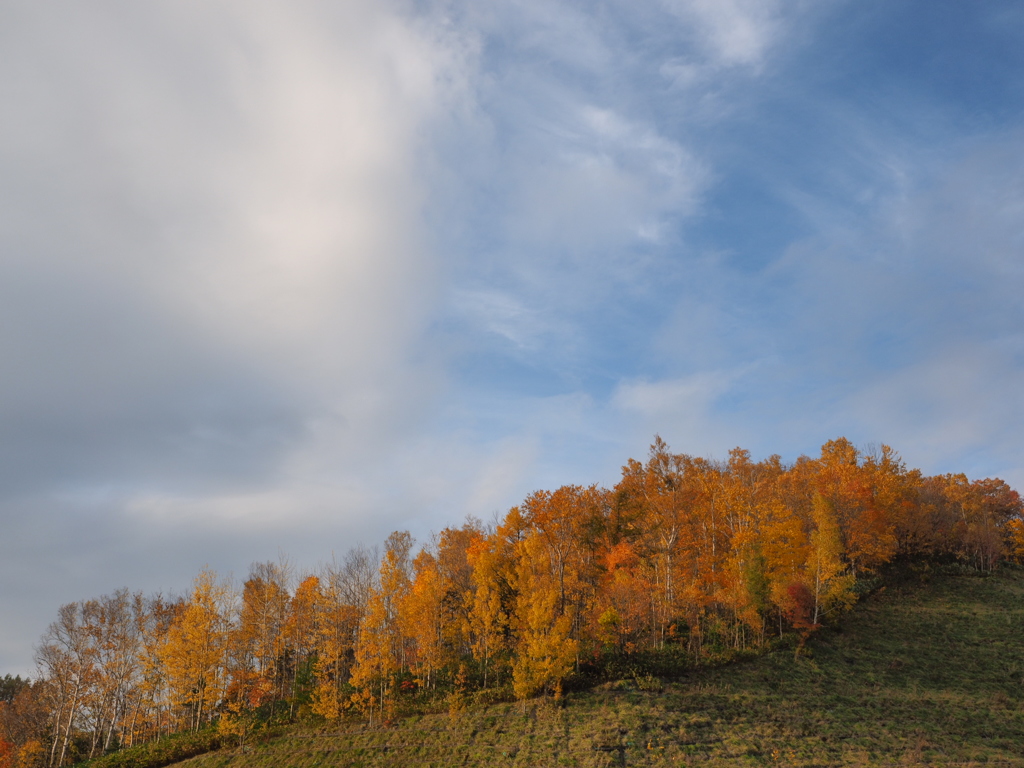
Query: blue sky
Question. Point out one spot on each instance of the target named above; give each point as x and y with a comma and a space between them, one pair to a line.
280, 278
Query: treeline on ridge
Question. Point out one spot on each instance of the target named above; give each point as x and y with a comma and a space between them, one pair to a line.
685, 560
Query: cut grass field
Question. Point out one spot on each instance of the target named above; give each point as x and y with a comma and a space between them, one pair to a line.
930, 673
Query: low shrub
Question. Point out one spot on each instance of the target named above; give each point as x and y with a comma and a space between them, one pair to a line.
159, 753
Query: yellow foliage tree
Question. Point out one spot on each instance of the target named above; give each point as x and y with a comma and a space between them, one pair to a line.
832, 584
336, 638
258, 640
382, 650
420, 613
194, 651
488, 618
300, 631
546, 648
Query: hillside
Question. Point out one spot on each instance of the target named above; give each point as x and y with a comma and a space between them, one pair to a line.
930, 673
684, 563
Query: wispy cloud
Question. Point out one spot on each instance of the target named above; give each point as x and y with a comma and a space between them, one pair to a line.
732, 32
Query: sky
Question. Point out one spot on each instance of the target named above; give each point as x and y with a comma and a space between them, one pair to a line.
280, 277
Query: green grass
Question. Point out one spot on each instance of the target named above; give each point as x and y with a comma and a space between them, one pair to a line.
929, 674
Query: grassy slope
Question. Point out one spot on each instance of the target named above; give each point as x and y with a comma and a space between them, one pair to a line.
932, 675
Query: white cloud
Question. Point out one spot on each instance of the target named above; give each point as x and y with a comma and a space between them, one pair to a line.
957, 411
683, 410
501, 477
733, 32
240, 188
214, 283
502, 314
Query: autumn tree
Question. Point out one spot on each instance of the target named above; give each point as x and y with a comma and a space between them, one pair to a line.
436, 611
152, 714
24, 714
346, 591
831, 583
66, 659
300, 637
455, 571
656, 494
114, 624
567, 525
382, 650
623, 608
492, 564
421, 616
194, 653
258, 642
756, 522
546, 648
